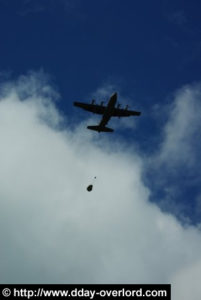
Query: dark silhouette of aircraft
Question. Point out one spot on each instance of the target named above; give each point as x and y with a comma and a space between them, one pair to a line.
107, 111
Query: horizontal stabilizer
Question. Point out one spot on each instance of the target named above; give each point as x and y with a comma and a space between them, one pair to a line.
99, 128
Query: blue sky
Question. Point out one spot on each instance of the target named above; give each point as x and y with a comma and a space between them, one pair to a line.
151, 48
147, 51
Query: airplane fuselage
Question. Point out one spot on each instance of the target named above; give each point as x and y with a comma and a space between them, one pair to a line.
109, 110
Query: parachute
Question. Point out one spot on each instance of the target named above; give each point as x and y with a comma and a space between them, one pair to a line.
90, 187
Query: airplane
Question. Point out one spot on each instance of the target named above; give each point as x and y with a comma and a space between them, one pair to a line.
107, 111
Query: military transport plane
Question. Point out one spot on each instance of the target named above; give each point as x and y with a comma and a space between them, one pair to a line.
107, 111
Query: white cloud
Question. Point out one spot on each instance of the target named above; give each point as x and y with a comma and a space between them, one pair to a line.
183, 129
187, 282
175, 166
53, 231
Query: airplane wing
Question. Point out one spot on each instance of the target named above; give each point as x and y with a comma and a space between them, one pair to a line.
97, 109
117, 112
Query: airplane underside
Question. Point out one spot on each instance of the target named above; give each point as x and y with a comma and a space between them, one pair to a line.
111, 110
100, 128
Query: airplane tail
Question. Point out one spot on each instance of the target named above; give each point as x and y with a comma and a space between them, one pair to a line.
99, 128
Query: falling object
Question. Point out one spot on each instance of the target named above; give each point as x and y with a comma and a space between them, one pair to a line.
89, 188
